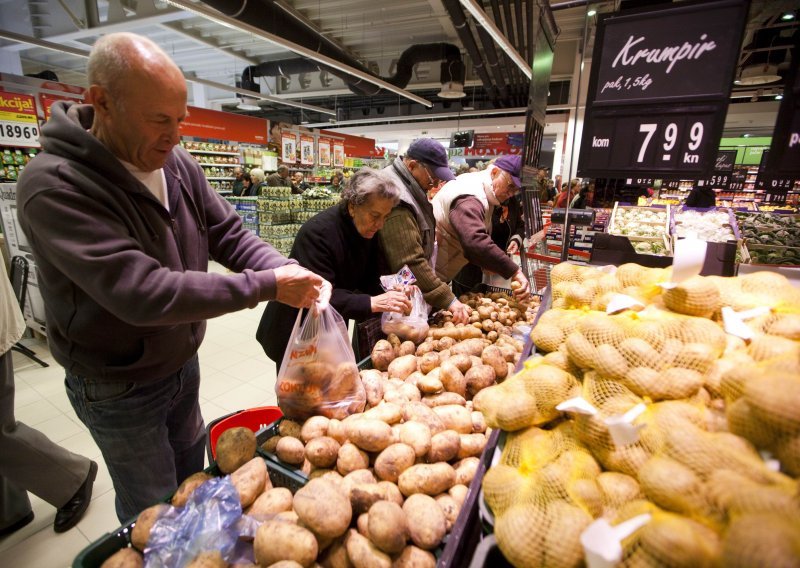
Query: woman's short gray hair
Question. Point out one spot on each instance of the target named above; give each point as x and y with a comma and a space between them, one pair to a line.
257, 175
366, 182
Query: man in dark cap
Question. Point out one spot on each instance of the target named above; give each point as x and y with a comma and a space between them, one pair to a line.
409, 235
463, 211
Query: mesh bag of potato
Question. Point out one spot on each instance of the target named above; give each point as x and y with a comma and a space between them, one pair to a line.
319, 374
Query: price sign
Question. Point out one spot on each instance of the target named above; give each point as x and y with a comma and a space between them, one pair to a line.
659, 90
18, 124
785, 149
723, 170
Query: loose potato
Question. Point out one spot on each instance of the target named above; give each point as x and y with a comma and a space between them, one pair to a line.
271, 502
336, 430
493, 357
250, 480
364, 554
235, 447
426, 521
344, 394
291, 450
385, 412
360, 476
393, 461
335, 556
428, 362
429, 385
419, 412
417, 435
444, 398
478, 422
362, 524
403, 366
455, 417
271, 443
430, 479
444, 446
369, 435
453, 380
388, 529
279, 564
287, 517
450, 507
459, 493
323, 508
407, 348
124, 558
209, 559
276, 541
472, 347
382, 354
351, 458
471, 445
364, 495
475, 360
187, 488
314, 427
391, 492
478, 378
144, 522
373, 386
426, 346
414, 378
414, 557
289, 428
409, 392
322, 452
461, 361
466, 470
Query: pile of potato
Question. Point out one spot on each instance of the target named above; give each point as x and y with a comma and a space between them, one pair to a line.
492, 315
712, 401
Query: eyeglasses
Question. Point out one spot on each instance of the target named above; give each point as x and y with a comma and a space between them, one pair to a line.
432, 181
511, 186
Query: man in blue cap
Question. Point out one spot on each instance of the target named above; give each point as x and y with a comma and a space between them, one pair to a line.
409, 235
463, 211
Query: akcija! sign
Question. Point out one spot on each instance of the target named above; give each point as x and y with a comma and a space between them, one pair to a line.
659, 88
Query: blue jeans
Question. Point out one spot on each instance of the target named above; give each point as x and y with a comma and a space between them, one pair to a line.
151, 434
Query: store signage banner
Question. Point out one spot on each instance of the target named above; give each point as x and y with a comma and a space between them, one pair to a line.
47, 100
338, 155
785, 149
307, 150
659, 89
17, 245
18, 124
354, 146
324, 152
217, 125
775, 185
495, 144
288, 148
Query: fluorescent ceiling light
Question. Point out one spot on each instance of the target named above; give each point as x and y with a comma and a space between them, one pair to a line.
778, 97
222, 19
591, 12
787, 16
501, 40
425, 117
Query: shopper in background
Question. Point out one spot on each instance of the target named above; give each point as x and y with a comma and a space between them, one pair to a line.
338, 245
701, 196
122, 223
299, 182
258, 181
337, 182
247, 183
463, 210
279, 178
238, 185
409, 235
584, 198
567, 194
31, 461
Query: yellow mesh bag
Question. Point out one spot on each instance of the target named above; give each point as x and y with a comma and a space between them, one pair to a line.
502, 486
674, 487
563, 272
617, 489
697, 296
520, 534
762, 540
734, 495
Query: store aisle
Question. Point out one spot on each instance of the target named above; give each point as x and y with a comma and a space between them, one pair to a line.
235, 374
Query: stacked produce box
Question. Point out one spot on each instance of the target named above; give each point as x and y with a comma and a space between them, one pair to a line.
276, 222
771, 238
248, 210
581, 238
654, 421
646, 228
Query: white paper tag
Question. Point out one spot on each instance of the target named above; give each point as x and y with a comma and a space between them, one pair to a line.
621, 302
754, 313
621, 427
690, 253
602, 542
733, 325
578, 405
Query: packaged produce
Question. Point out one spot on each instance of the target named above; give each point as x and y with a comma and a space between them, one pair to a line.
715, 226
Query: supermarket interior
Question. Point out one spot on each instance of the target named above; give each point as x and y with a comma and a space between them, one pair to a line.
562, 239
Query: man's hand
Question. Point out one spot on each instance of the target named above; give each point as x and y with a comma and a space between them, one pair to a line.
520, 286
460, 312
297, 286
324, 298
393, 301
513, 247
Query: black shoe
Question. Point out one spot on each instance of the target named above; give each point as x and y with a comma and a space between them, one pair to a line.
16, 526
69, 515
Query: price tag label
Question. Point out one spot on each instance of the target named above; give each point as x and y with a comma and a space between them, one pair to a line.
14, 133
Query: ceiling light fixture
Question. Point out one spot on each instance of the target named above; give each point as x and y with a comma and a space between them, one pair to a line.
758, 75
786, 16
223, 20
481, 18
778, 97
591, 12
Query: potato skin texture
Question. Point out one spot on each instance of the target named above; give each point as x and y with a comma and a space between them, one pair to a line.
250, 480
388, 529
124, 558
181, 496
427, 524
430, 479
364, 554
235, 447
322, 452
276, 541
290, 450
323, 508
145, 522
393, 461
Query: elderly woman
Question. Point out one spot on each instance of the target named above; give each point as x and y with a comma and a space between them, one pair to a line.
338, 245
257, 177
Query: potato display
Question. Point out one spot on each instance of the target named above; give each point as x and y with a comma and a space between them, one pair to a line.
672, 410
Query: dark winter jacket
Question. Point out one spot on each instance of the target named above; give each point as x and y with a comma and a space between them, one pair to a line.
125, 281
701, 197
329, 245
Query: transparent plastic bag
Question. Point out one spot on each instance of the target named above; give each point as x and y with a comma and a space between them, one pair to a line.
413, 327
319, 375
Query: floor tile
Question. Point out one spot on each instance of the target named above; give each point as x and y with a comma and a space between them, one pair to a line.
36, 412
82, 443
59, 428
100, 518
46, 549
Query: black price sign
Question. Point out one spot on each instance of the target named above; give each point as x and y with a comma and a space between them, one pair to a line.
785, 149
723, 170
659, 89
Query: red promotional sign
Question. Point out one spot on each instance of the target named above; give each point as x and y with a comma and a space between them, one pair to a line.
324, 146
18, 123
306, 150
205, 123
47, 101
354, 146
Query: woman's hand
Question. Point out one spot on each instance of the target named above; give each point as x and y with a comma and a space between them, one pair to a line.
513, 247
394, 301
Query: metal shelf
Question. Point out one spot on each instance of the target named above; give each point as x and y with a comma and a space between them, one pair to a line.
221, 178
214, 153
219, 165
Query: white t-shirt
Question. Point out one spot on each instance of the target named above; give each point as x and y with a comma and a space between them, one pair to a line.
155, 181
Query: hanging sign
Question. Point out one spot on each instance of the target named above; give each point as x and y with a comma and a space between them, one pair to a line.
18, 124
659, 89
324, 152
776, 187
785, 150
306, 150
288, 148
218, 125
338, 155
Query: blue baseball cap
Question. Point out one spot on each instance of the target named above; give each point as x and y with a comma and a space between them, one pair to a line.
512, 165
431, 153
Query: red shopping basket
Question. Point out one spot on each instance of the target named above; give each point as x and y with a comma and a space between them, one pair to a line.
253, 418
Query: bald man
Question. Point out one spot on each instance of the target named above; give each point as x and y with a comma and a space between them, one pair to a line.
122, 224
